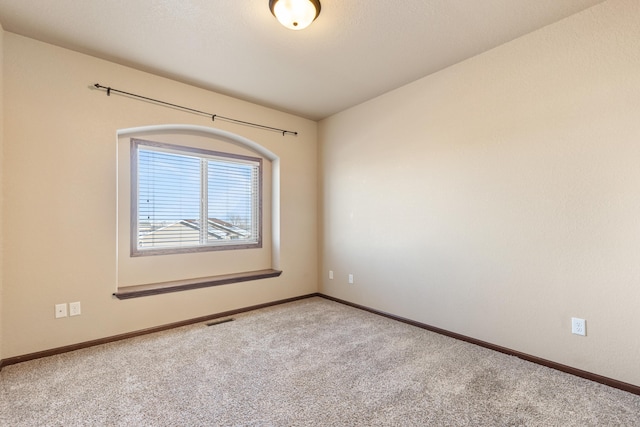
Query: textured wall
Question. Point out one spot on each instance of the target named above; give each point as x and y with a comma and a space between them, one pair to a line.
1, 174
60, 197
499, 197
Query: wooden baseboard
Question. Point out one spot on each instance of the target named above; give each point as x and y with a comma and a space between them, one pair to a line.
548, 363
106, 340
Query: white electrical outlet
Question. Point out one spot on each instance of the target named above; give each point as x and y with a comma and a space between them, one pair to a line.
330, 274
351, 279
61, 310
74, 309
578, 326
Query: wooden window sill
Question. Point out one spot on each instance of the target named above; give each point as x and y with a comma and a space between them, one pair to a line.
185, 285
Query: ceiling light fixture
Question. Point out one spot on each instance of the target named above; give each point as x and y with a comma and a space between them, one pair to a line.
295, 14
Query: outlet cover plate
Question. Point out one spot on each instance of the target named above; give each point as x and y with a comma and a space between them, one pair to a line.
74, 309
61, 310
578, 326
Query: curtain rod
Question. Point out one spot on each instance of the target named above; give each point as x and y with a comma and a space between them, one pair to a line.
192, 110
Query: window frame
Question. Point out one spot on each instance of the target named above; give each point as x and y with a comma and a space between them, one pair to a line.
136, 251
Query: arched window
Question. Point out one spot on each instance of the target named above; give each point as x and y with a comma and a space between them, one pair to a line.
202, 201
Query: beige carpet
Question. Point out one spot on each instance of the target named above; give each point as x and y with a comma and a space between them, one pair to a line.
309, 363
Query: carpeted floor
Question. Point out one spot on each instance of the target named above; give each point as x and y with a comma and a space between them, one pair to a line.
309, 363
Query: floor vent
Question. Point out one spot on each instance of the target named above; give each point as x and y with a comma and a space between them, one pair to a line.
219, 322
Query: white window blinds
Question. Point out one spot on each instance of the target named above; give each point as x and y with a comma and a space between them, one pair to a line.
189, 199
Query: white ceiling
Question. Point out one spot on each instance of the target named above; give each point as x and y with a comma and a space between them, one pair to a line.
354, 51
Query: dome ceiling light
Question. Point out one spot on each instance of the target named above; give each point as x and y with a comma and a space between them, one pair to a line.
295, 14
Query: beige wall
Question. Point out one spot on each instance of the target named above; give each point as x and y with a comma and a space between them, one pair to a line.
1, 174
59, 218
500, 197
